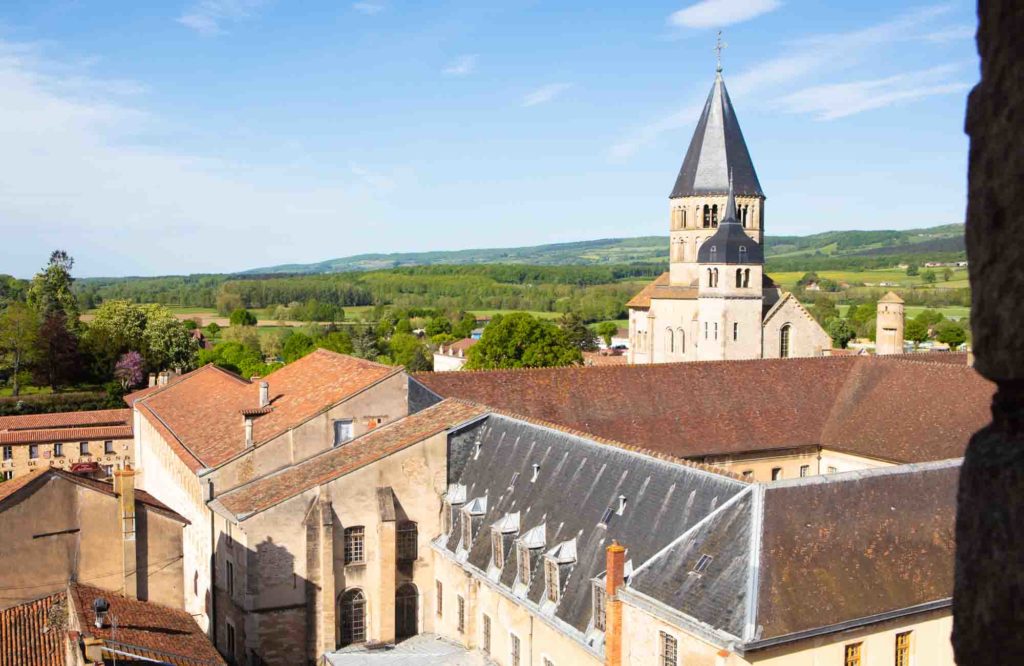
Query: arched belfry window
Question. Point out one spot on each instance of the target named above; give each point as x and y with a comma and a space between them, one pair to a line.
684, 217
670, 342
715, 277
707, 216
711, 278
714, 215
739, 278
681, 341
784, 341
746, 277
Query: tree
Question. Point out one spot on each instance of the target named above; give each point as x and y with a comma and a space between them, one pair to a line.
947, 274
51, 288
408, 350
929, 317
121, 326
296, 346
437, 326
915, 331
463, 328
242, 317
912, 270
238, 358
57, 357
951, 333
824, 308
520, 340
213, 328
578, 333
841, 332
364, 342
19, 332
129, 370
929, 276
607, 330
336, 341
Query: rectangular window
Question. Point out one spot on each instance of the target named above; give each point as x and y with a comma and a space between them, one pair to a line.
524, 565
668, 649
852, 653
440, 597
705, 330
8, 452
600, 603
748, 474
903, 649
407, 550
735, 332
551, 579
805, 470
516, 650
229, 576
497, 549
354, 545
487, 634
716, 330
6, 476
342, 431
230, 633
58, 449
832, 470
462, 613
108, 448
776, 473
467, 530
83, 448
33, 451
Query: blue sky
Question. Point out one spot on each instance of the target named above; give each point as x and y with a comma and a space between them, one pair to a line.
220, 135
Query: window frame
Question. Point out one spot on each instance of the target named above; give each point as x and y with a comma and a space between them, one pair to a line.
439, 598
852, 654
485, 629
599, 605
354, 545
552, 582
515, 649
497, 549
58, 449
407, 542
776, 473
460, 617
668, 649
467, 529
83, 449
785, 343
108, 447
229, 577
805, 471
8, 452
523, 564
33, 451
338, 427
903, 643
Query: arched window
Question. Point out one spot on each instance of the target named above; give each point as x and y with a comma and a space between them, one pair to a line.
714, 215
715, 277
746, 277
710, 278
784, 341
406, 611
681, 346
670, 342
684, 217
707, 216
407, 536
739, 278
352, 605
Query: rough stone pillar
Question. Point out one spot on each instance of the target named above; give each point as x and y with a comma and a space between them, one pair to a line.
326, 621
124, 486
387, 566
616, 562
988, 601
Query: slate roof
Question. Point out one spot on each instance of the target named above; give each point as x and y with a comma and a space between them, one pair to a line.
730, 244
145, 629
663, 499
267, 491
26, 638
872, 406
10, 488
716, 149
861, 544
199, 415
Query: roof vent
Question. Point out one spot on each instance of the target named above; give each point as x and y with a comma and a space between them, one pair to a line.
622, 505
512, 483
100, 607
702, 564
607, 515
476, 450
536, 473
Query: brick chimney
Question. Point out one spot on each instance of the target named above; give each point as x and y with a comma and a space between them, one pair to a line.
616, 565
124, 486
264, 393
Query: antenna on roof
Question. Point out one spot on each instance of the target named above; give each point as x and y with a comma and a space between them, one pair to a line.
719, 45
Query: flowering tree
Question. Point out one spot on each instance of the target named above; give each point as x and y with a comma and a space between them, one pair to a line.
129, 369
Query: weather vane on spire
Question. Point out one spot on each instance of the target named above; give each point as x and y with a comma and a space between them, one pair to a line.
719, 45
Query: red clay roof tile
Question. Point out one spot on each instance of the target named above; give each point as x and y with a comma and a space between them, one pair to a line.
26, 637
95, 418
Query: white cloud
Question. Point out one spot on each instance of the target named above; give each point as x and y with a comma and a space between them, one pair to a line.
839, 100
75, 174
368, 8
804, 59
461, 66
545, 94
953, 34
718, 13
208, 16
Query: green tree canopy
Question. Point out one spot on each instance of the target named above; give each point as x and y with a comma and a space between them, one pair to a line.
951, 333
408, 350
437, 326
238, 358
120, 326
607, 330
841, 332
242, 317
51, 289
296, 346
520, 340
19, 333
916, 331
577, 332
929, 317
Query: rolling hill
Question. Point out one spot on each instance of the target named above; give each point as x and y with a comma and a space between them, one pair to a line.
925, 242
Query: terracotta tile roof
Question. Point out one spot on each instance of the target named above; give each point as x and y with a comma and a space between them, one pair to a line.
660, 287
597, 358
199, 415
65, 434
876, 406
374, 445
101, 417
145, 628
9, 488
862, 543
26, 638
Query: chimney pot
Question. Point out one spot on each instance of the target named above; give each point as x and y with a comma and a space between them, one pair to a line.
152, 379
264, 394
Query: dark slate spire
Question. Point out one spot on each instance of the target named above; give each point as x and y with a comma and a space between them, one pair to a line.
730, 244
716, 150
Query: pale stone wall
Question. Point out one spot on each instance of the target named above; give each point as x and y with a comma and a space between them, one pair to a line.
676, 315
538, 636
162, 474
806, 336
21, 464
847, 462
687, 231
641, 641
889, 328
759, 466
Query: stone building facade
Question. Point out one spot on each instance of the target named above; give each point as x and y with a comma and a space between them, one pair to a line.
715, 302
889, 323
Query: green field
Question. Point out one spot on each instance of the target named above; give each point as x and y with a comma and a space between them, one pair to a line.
911, 311
788, 279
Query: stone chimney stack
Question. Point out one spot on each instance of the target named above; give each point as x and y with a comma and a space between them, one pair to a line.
124, 486
614, 577
152, 379
248, 431
264, 393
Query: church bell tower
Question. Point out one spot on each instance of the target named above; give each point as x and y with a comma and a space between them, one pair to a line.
698, 200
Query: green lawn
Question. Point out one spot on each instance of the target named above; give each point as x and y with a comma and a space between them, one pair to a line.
788, 279
535, 313
911, 311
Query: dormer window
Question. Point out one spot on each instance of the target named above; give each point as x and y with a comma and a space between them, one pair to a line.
551, 582
600, 603
497, 549
467, 529
523, 557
